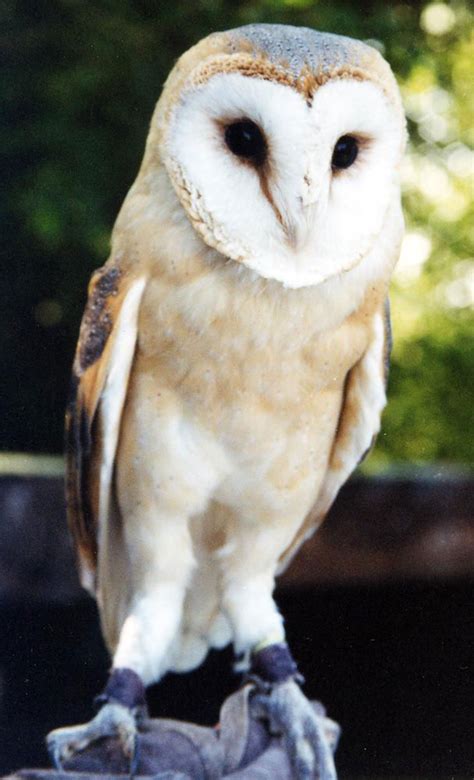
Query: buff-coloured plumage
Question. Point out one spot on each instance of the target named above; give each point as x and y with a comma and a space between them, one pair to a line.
218, 409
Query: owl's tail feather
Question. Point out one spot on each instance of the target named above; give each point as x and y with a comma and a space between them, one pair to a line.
113, 592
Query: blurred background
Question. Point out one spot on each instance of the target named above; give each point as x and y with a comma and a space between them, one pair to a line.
80, 80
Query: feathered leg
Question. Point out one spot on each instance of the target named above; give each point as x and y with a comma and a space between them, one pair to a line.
247, 569
140, 658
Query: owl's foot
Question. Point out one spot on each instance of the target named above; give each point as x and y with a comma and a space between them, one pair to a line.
113, 720
122, 706
309, 737
291, 715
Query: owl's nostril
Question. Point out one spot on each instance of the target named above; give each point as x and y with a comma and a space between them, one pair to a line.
310, 192
308, 199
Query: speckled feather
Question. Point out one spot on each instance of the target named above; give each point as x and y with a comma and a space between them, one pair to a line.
296, 48
107, 289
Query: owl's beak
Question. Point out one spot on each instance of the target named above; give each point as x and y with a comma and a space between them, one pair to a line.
296, 218
298, 231
300, 226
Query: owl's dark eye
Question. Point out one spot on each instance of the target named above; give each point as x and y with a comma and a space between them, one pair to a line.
245, 139
345, 152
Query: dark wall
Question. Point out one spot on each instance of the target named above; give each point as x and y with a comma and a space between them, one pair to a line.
378, 610
392, 664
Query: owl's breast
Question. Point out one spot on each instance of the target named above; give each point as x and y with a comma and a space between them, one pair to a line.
247, 368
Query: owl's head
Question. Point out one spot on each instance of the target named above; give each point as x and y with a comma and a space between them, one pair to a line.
283, 145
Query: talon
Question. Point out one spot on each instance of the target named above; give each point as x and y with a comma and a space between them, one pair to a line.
134, 757
55, 757
304, 731
113, 720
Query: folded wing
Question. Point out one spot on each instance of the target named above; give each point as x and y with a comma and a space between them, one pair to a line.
359, 422
101, 371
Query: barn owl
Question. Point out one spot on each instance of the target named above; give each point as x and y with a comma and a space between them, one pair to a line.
230, 371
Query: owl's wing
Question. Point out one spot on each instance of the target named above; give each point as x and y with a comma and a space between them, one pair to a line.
100, 376
359, 422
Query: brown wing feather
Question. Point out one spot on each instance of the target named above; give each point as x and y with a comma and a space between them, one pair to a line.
107, 291
359, 421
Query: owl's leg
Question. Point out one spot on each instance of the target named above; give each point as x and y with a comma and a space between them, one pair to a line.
248, 581
309, 737
160, 567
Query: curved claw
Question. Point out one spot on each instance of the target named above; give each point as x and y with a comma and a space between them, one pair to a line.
55, 756
290, 714
135, 757
113, 720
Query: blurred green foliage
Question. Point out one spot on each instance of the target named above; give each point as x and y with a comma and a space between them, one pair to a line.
80, 82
